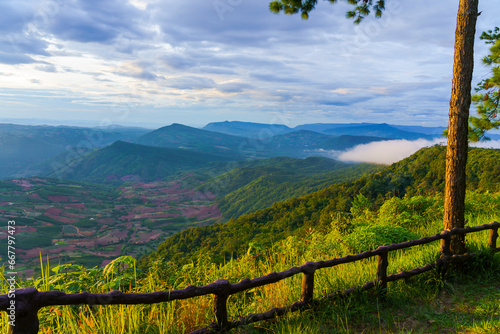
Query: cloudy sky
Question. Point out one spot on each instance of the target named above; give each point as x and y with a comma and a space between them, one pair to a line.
155, 62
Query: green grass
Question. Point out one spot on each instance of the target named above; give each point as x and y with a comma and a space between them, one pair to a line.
468, 302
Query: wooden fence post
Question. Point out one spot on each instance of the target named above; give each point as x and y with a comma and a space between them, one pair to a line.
492, 240
445, 253
220, 302
383, 263
24, 319
308, 283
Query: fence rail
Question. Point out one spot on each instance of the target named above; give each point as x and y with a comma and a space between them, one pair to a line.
29, 300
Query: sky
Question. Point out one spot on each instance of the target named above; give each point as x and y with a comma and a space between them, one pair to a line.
156, 62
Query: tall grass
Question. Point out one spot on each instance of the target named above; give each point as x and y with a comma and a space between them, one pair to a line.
361, 312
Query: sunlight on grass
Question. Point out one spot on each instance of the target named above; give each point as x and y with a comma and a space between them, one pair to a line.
423, 303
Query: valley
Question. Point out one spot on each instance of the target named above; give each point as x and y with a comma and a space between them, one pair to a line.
94, 203
73, 222
155, 211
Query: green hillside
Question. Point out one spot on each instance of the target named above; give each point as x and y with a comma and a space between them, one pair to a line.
132, 162
278, 180
420, 174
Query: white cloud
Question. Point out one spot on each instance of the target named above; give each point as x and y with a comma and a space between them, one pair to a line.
386, 152
326, 69
487, 144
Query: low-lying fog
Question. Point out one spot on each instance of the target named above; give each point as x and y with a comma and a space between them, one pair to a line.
390, 151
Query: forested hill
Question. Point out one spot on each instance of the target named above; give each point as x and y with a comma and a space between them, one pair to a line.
251, 188
123, 161
422, 173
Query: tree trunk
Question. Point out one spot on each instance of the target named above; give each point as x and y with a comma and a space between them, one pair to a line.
456, 153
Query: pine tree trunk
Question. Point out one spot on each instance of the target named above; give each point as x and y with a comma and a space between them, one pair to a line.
456, 154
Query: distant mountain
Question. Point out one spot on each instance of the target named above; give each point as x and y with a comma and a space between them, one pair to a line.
297, 144
387, 131
199, 140
248, 129
23, 146
123, 161
321, 127
436, 131
301, 144
376, 130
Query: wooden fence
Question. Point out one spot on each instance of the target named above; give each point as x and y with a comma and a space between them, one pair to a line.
29, 300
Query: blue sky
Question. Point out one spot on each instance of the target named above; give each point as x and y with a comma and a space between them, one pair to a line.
156, 62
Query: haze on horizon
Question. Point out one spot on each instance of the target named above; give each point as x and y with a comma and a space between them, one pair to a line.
149, 62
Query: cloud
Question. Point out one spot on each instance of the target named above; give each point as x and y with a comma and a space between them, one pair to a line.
18, 48
191, 82
14, 59
47, 68
271, 77
15, 14
233, 87
96, 21
385, 152
137, 70
391, 151
487, 144
233, 59
235, 23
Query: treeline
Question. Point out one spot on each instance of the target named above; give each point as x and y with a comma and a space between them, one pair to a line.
421, 174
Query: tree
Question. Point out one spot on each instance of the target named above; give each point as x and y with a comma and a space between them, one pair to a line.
456, 154
487, 99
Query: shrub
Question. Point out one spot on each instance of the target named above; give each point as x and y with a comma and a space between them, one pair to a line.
411, 212
369, 237
477, 203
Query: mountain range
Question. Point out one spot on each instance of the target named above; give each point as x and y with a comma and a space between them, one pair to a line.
421, 174
267, 182
387, 131
35, 150
22, 147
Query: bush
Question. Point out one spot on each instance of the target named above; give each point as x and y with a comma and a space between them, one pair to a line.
369, 237
417, 211
477, 203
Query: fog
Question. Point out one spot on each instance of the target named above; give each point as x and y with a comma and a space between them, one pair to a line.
386, 152
487, 144
391, 151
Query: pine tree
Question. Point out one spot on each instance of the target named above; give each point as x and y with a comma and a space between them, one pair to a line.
456, 157
487, 99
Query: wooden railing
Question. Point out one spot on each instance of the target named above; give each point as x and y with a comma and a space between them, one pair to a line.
29, 300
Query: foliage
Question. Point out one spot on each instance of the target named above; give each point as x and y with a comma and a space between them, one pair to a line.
368, 237
421, 174
478, 203
362, 209
361, 10
487, 99
411, 212
274, 184
416, 303
120, 273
